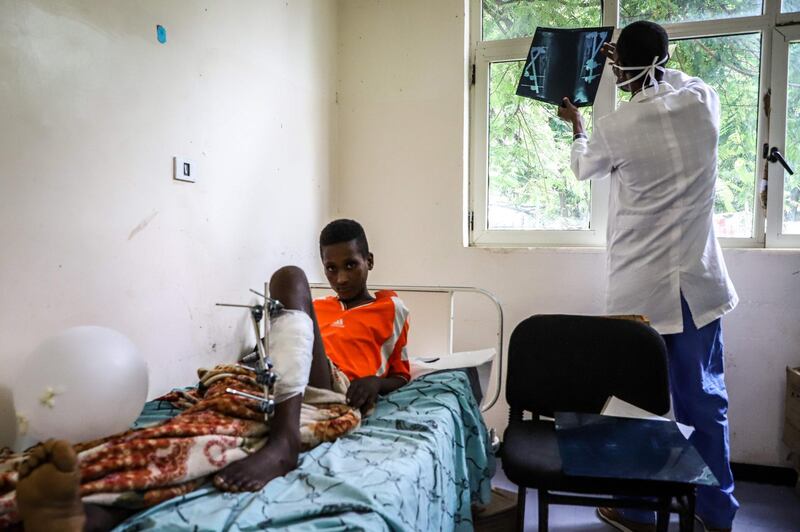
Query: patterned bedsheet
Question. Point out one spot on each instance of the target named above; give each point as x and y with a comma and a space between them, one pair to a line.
417, 463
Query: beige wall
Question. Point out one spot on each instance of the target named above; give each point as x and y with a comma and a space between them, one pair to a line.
401, 172
92, 227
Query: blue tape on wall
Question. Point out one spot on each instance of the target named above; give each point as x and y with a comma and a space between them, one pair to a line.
161, 33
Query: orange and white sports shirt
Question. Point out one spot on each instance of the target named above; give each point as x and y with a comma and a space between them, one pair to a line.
366, 340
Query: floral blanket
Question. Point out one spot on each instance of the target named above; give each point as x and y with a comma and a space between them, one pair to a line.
145, 466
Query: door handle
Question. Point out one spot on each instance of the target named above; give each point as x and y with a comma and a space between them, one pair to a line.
774, 155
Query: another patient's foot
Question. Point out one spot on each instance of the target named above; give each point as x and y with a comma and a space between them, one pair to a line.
48, 491
275, 459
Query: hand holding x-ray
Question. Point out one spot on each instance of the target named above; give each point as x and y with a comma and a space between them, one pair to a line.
568, 112
609, 50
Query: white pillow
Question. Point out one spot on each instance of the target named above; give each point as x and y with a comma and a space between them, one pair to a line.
463, 359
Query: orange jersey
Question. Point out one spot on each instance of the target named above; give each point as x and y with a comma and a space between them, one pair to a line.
366, 340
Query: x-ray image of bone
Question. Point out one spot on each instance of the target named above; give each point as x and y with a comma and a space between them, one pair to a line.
564, 63
593, 43
535, 69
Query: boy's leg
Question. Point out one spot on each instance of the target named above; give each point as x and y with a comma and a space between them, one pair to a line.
279, 456
290, 286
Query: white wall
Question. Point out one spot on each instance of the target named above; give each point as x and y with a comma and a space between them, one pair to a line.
402, 72
92, 228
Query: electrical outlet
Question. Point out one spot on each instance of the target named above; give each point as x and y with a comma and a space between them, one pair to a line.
184, 170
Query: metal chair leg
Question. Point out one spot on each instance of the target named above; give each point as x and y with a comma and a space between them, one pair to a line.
521, 491
686, 511
681, 506
690, 503
662, 515
543, 509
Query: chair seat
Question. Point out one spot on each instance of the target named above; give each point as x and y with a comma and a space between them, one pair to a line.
530, 458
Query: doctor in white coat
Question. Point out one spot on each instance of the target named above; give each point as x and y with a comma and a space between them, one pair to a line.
659, 151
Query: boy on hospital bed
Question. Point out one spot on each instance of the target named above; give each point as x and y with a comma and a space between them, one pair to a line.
334, 357
364, 336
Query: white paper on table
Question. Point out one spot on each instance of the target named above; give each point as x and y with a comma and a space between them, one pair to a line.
463, 359
616, 407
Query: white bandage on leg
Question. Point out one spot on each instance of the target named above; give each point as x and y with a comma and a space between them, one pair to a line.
291, 340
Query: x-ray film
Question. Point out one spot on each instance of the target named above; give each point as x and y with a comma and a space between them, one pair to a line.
564, 62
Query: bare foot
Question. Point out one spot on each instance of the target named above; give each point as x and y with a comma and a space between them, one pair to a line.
275, 459
48, 491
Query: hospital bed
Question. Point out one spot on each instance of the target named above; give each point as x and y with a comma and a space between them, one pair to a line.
419, 462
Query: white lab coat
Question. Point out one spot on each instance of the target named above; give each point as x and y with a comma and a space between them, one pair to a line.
660, 152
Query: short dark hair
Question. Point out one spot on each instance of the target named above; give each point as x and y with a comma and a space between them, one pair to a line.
344, 230
639, 42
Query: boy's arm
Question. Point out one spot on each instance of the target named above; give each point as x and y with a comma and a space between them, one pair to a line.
363, 392
398, 361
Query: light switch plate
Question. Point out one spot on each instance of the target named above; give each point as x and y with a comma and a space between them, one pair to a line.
184, 170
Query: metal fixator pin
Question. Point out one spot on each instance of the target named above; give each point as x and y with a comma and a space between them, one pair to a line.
265, 405
263, 365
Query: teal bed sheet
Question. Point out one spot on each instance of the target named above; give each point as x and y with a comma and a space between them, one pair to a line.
417, 463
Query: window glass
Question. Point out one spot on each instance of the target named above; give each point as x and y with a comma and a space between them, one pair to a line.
791, 148
790, 6
509, 19
531, 185
672, 11
731, 65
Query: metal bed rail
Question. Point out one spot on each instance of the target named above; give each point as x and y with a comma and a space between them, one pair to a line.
452, 291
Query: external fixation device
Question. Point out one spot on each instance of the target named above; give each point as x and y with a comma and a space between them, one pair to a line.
265, 376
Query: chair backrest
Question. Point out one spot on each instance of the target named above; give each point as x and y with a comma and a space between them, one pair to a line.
574, 363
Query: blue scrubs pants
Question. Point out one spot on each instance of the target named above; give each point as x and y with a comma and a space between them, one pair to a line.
699, 399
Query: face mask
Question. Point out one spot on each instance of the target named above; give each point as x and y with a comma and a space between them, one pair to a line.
646, 72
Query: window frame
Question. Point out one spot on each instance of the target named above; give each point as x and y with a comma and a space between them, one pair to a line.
483, 53
782, 37
515, 50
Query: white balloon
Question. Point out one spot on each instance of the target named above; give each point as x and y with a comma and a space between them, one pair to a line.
83, 383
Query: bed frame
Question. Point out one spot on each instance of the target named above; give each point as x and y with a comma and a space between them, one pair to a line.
451, 291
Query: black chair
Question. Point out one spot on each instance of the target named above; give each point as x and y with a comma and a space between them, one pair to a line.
560, 363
